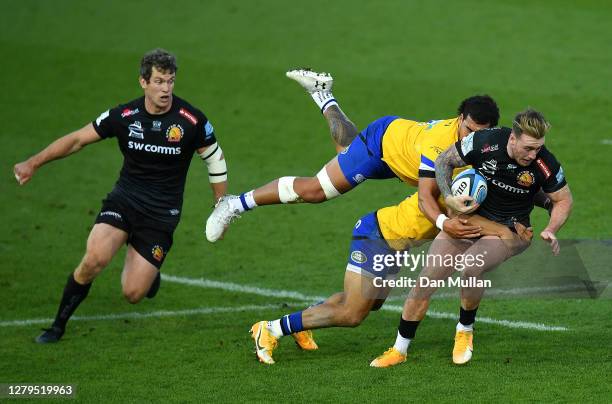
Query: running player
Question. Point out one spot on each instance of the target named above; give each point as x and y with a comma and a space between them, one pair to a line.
157, 135
517, 166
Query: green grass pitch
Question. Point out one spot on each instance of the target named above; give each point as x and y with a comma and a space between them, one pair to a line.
64, 62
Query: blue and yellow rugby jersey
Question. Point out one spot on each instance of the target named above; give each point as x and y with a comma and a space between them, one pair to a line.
410, 149
410, 146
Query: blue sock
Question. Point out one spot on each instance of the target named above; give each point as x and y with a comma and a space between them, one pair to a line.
292, 323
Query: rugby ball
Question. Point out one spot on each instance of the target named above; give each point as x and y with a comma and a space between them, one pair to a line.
471, 183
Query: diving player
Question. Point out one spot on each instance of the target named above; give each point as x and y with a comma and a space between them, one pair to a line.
390, 147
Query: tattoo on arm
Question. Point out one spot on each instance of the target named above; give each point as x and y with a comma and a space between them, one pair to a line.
445, 163
343, 131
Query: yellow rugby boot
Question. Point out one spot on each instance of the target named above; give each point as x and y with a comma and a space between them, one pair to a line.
462, 351
265, 342
304, 340
391, 357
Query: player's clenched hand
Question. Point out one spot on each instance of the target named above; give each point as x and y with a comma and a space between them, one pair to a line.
461, 204
551, 239
459, 228
525, 233
23, 172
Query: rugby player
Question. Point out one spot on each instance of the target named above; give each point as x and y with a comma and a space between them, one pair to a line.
157, 135
390, 147
517, 165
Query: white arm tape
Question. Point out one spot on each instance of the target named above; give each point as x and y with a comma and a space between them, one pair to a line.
440, 221
215, 163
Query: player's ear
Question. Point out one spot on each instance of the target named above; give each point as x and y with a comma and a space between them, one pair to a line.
143, 82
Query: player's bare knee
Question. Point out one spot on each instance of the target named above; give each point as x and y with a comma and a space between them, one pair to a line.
91, 265
351, 317
133, 295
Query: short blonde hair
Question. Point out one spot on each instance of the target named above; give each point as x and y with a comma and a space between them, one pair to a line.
530, 122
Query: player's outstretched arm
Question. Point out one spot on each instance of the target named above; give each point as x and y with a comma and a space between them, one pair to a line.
217, 169
562, 206
62, 147
428, 204
445, 164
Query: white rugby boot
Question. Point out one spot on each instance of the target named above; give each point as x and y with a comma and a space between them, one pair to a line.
312, 81
220, 218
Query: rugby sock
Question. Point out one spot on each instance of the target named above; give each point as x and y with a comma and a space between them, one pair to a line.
289, 324
244, 202
405, 333
401, 344
74, 294
466, 319
292, 323
323, 99
275, 329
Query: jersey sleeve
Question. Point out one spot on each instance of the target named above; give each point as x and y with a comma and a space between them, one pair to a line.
105, 124
552, 172
467, 149
429, 154
205, 133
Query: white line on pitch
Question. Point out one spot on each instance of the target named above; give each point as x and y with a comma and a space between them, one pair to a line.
606, 141
135, 315
235, 287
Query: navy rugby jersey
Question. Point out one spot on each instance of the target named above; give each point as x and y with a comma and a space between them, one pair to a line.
511, 187
157, 151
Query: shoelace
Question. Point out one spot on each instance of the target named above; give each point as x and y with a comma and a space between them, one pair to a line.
228, 215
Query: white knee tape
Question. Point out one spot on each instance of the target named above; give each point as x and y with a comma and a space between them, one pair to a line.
330, 191
286, 193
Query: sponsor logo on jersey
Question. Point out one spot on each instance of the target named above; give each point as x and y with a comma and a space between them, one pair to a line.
512, 167
359, 178
136, 130
174, 133
560, 175
359, 257
509, 188
156, 126
489, 167
489, 148
188, 116
358, 224
432, 123
129, 112
438, 150
544, 168
152, 148
467, 144
208, 130
157, 252
525, 178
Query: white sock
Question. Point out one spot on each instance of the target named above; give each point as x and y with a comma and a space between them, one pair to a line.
238, 203
461, 327
401, 344
275, 329
323, 99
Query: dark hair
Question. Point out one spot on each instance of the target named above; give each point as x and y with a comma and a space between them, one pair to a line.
163, 61
481, 108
